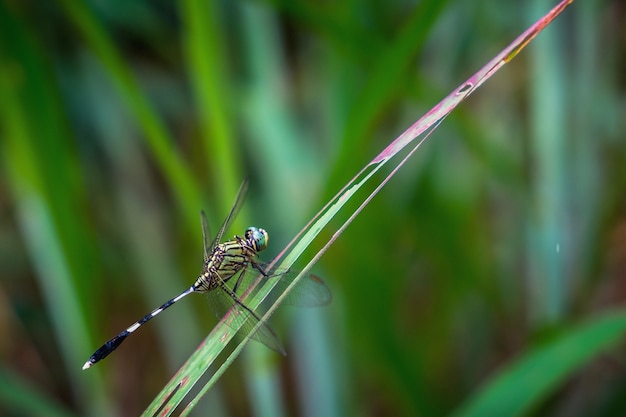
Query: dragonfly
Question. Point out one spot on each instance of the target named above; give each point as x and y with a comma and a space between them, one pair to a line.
235, 261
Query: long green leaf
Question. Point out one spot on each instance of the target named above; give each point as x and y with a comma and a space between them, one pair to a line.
159, 140
221, 335
20, 397
524, 384
206, 59
34, 168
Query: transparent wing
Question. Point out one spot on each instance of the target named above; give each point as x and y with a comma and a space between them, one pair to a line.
241, 195
206, 232
225, 303
311, 290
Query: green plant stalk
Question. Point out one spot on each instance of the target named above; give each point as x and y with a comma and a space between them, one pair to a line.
221, 335
44, 209
522, 385
206, 58
179, 178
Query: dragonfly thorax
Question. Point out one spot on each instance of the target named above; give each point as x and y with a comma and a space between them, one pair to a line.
256, 238
230, 258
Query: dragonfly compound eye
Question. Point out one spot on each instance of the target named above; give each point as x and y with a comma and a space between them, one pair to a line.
258, 238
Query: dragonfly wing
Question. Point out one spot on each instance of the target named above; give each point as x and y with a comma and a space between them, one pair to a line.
225, 303
206, 232
311, 290
241, 195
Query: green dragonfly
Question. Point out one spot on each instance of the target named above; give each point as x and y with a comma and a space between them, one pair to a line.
228, 272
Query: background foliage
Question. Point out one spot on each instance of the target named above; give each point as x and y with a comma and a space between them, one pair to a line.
119, 121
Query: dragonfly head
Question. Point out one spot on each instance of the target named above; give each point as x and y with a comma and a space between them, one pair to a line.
257, 238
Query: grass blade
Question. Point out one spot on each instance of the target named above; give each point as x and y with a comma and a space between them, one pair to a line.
19, 397
160, 142
522, 385
221, 335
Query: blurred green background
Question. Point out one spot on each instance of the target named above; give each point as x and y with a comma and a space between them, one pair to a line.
120, 121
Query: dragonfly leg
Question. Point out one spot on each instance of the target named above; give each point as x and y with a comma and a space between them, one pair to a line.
264, 333
259, 268
239, 279
256, 265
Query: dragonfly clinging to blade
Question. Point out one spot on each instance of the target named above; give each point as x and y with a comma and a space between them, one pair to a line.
235, 261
